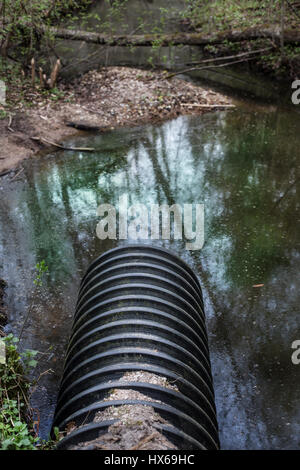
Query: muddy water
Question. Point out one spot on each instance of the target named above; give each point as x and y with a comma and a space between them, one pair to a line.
242, 165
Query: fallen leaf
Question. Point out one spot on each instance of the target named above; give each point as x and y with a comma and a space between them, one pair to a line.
70, 427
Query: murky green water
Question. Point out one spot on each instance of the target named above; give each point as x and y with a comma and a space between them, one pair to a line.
242, 165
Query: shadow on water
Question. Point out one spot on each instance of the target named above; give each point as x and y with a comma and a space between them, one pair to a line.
242, 165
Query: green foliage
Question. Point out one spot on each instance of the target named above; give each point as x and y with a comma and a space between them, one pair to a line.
150, 61
220, 15
156, 44
16, 430
22, 21
115, 16
17, 364
50, 443
15, 433
41, 270
226, 15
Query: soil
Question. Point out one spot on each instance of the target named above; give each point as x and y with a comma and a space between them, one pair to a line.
104, 99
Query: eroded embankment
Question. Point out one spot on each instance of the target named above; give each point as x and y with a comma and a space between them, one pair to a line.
99, 100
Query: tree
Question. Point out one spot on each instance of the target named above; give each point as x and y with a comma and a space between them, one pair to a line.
24, 23
282, 10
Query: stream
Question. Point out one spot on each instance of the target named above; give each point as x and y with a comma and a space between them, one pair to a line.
242, 165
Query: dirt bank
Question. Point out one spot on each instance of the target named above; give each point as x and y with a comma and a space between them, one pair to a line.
105, 99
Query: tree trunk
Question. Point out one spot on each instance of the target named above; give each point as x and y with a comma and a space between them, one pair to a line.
192, 39
282, 29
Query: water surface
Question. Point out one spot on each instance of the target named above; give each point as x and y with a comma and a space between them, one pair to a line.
242, 165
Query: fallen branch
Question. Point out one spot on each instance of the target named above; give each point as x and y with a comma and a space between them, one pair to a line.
82, 126
284, 194
192, 69
9, 123
92, 111
175, 39
145, 441
17, 174
229, 57
80, 149
208, 105
7, 172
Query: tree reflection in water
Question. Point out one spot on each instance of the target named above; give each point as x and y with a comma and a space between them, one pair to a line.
242, 166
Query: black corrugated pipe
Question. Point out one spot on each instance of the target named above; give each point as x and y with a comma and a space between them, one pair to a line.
139, 331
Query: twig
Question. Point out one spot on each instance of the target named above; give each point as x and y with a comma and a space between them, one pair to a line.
284, 194
82, 149
50, 9
242, 54
75, 64
48, 371
92, 111
26, 318
36, 422
86, 127
32, 71
19, 172
9, 123
19, 408
6, 172
208, 105
292, 8
144, 441
41, 76
192, 69
99, 446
